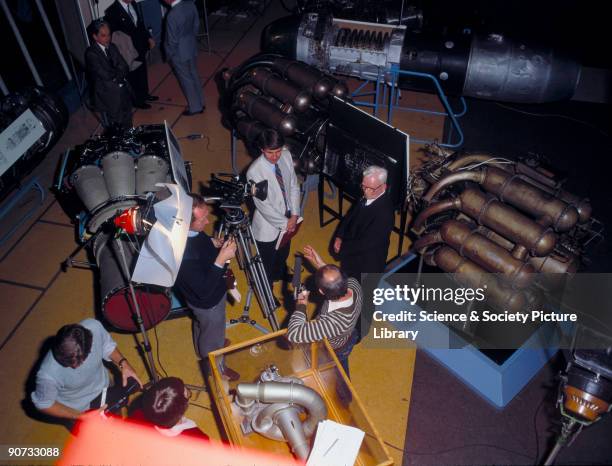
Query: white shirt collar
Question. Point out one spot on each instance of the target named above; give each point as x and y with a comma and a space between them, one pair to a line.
127, 9
184, 424
369, 201
176, 2
102, 47
333, 305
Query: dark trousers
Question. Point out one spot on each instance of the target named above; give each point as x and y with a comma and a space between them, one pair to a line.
274, 261
121, 114
121, 117
344, 352
140, 83
208, 332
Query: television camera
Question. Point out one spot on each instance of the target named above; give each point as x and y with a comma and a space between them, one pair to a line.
232, 192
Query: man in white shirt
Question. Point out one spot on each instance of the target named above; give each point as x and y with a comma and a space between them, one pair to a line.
280, 211
72, 377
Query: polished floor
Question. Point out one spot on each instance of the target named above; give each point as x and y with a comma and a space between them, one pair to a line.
38, 297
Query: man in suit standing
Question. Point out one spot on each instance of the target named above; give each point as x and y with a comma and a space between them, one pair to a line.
180, 45
280, 211
107, 73
124, 16
362, 238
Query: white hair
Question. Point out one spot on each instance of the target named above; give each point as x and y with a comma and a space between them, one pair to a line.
379, 172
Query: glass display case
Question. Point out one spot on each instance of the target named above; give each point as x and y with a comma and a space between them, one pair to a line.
313, 365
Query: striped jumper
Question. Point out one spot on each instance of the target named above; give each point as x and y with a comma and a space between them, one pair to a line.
336, 325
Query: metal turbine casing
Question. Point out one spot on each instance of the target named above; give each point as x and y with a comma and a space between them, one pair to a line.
485, 66
353, 48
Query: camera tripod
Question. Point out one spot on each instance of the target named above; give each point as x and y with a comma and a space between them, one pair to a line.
236, 224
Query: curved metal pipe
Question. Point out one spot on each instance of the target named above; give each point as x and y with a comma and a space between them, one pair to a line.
476, 176
487, 254
427, 240
499, 217
470, 274
434, 209
511, 188
283, 395
468, 160
531, 176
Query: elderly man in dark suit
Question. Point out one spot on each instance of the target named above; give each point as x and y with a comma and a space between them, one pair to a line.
107, 73
180, 45
362, 238
125, 16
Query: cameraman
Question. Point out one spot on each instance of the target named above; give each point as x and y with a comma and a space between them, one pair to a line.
339, 314
280, 211
201, 284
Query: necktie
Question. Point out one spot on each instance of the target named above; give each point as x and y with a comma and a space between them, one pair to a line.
281, 183
132, 12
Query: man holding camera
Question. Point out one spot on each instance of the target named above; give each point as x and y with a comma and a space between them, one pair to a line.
201, 284
279, 213
339, 313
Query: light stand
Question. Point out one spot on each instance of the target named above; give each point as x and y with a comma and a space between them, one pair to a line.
585, 390
236, 224
145, 337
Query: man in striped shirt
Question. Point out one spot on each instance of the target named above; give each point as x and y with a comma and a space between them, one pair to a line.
339, 313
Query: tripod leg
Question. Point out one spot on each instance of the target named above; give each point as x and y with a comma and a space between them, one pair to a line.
139, 321
262, 286
256, 274
244, 317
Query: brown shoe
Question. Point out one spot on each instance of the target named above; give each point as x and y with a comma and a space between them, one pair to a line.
230, 374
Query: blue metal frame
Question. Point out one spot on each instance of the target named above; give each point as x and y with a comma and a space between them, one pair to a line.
380, 79
393, 102
8, 206
395, 73
62, 170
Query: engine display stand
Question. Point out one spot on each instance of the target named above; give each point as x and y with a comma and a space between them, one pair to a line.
317, 366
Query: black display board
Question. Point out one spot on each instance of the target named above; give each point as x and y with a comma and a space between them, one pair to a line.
356, 140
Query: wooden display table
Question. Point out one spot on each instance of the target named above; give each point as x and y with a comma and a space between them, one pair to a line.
317, 366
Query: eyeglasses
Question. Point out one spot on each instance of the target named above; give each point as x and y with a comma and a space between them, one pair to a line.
364, 187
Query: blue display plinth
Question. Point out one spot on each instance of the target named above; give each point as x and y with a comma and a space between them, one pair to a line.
498, 384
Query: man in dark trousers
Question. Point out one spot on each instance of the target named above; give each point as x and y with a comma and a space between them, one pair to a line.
125, 16
362, 238
107, 73
280, 211
201, 284
181, 47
